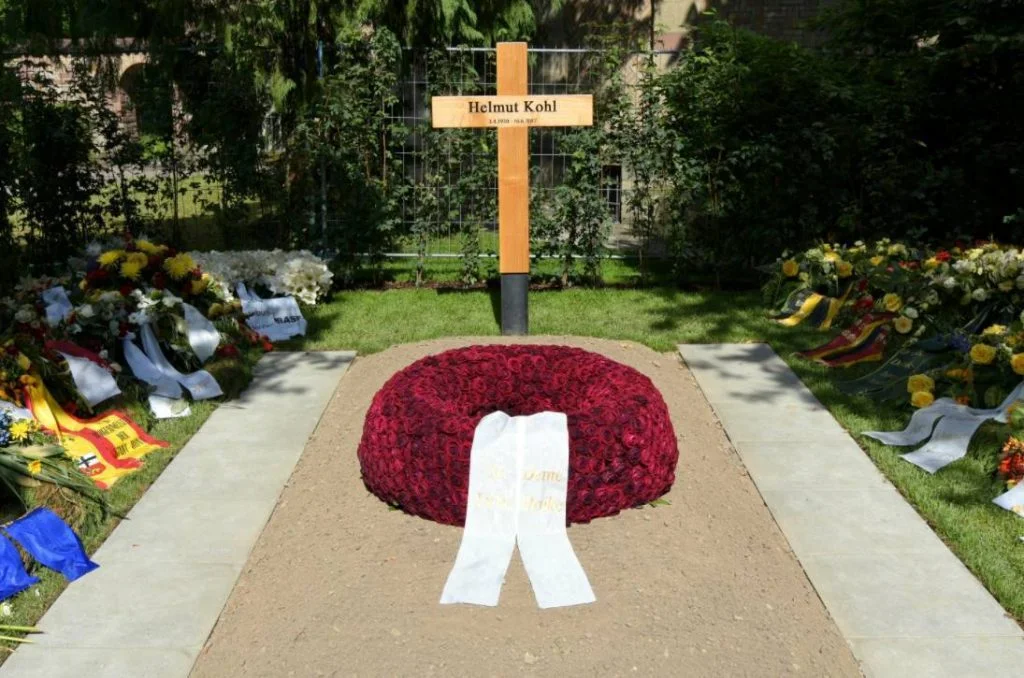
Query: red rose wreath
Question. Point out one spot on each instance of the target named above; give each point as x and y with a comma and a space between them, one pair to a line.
418, 433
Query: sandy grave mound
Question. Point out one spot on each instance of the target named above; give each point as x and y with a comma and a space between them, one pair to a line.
340, 585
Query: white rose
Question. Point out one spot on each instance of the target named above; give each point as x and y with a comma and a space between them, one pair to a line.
25, 315
1020, 282
910, 312
949, 282
86, 311
979, 294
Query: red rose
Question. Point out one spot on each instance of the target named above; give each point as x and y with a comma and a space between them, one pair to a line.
419, 429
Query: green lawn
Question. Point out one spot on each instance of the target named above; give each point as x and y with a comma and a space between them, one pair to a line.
956, 501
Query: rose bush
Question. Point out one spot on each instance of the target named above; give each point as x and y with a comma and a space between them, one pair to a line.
418, 432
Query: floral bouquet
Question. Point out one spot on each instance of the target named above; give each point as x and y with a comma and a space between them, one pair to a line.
30, 458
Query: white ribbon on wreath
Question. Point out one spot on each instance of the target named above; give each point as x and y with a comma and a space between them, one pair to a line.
949, 438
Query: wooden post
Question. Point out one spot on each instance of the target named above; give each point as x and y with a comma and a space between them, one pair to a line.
513, 167
513, 112
514, 197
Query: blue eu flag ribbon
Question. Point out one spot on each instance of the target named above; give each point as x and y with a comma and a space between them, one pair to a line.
49, 540
13, 577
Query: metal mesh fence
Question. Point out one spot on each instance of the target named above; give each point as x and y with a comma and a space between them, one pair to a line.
473, 71
450, 175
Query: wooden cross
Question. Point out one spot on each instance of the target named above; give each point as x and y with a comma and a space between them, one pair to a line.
513, 111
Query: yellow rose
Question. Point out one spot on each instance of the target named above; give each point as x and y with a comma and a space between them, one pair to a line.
216, 309
844, 269
892, 302
1017, 363
35, 467
931, 264
831, 256
921, 399
897, 249
199, 286
982, 354
998, 330
790, 268
877, 261
903, 324
920, 382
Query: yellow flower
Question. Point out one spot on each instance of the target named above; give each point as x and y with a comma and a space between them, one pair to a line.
1017, 363
877, 261
903, 324
130, 270
892, 302
983, 354
179, 266
108, 259
831, 256
997, 330
844, 269
147, 247
931, 264
920, 382
897, 249
955, 373
790, 268
21, 429
84, 285
35, 467
138, 258
216, 309
921, 399
199, 286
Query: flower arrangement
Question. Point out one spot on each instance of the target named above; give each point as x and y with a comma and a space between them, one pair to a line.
418, 432
300, 274
30, 457
1011, 464
930, 292
141, 264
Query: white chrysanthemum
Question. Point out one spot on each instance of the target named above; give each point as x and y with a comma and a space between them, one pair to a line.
25, 314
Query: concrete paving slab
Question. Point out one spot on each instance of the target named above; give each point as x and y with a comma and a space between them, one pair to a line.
57, 662
134, 603
166, 573
783, 464
899, 596
941, 657
904, 602
205, 473
779, 423
190, 530
851, 521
